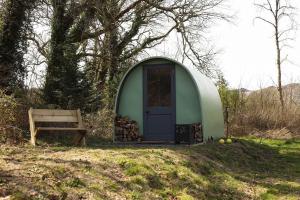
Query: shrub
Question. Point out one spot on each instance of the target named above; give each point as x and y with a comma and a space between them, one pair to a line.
12, 115
8, 109
261, 111
100, 124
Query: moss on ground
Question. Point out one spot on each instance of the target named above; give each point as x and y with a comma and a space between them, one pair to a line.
246, 169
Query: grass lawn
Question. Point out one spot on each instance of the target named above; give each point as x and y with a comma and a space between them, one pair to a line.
245, 169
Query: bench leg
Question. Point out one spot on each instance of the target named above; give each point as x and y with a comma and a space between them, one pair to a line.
80, 139
83, 141
33, 138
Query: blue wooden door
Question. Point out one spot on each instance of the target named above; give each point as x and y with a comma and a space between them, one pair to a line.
159, 103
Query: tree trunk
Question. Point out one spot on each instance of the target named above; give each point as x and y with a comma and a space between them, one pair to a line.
109, 66
110, 53
278, 62
53, 85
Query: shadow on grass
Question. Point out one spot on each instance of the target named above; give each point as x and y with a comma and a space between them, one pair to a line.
211, 171
268, 165
271, 166
53, 179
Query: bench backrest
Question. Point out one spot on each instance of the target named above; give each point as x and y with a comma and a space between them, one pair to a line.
47, 115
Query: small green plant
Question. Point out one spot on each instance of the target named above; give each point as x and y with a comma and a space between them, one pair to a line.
268, 196
133, 168
154, 181
136, 195
75, 183
19, 196
185, 196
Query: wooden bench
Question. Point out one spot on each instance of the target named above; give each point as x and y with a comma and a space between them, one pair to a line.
56, 116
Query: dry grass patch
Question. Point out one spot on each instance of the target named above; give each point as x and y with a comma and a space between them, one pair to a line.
243, 170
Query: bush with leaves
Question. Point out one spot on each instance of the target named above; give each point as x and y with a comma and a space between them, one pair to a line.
100, 124
9, 109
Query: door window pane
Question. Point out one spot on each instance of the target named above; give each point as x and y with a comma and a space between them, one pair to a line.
159, 87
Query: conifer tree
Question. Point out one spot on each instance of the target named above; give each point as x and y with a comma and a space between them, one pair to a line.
14, 18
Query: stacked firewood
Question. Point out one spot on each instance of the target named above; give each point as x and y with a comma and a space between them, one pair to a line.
126, 129
197, 130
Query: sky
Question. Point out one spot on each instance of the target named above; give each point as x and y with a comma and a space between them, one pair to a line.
246, 48
248, 56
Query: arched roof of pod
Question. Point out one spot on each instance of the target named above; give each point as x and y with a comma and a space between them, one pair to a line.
209, 99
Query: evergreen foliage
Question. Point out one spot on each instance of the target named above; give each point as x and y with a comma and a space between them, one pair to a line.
65, 85
14, 18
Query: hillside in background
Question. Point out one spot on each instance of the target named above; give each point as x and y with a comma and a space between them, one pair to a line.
259, 112
293, 90
290, 91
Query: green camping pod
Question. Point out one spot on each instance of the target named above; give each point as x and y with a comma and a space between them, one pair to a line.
161, 100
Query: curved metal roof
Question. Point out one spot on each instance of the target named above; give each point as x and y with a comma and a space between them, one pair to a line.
210, 102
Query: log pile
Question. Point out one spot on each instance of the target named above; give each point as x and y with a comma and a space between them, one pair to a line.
189, 133
197, 131
126, 130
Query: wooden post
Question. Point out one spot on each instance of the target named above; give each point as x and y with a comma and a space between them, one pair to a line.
83, 140
32, 127
80, 125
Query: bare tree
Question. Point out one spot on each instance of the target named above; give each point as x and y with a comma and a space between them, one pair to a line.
277, 13
106, 36
132, 27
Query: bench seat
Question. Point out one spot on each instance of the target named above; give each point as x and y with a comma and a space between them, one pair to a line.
67, 117
59, 129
